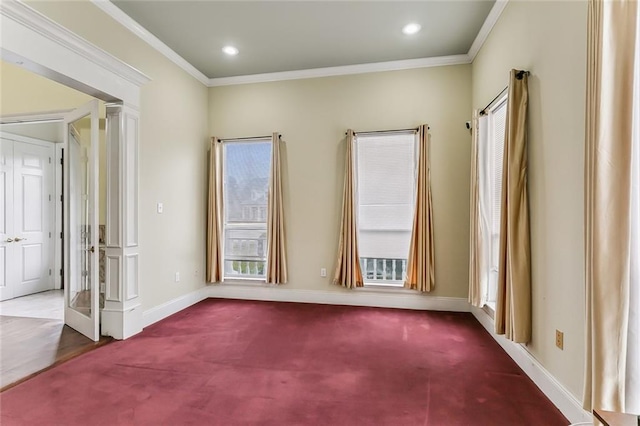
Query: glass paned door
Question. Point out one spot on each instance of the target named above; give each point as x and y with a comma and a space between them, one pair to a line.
81, 220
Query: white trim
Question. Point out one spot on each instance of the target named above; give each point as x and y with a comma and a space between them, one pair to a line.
485, 30
53, 31
558, 394
129, 23
26, 139
174, 306
144, 34
361, 297
342, 70
36, 117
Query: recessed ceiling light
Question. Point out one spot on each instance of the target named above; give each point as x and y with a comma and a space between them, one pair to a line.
411, 28
230, 50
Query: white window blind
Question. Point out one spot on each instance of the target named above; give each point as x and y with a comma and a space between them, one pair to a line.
497, 119
246, 168
497, 116
386, 166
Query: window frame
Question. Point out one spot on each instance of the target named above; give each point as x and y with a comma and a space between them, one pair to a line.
491, 290
240, 225
394, 284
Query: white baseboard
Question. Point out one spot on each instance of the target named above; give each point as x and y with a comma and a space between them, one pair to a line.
174, 306
558, 394
380, 298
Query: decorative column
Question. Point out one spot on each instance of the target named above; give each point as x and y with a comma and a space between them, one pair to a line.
121, 316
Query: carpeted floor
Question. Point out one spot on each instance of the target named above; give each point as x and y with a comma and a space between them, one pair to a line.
224, 362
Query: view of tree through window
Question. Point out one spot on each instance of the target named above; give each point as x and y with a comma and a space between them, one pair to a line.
246, 167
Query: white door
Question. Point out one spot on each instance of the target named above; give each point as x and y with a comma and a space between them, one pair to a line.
81, 221
6, 219
27, 186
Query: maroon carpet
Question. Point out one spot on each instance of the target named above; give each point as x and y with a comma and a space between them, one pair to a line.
239, 362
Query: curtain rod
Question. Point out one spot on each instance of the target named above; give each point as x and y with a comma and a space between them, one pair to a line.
246, 138
483, 111
519, 76
414, 129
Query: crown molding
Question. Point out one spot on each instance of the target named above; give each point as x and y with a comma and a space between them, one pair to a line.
137, 29
342, 70
37, 22
129, 23
485, 30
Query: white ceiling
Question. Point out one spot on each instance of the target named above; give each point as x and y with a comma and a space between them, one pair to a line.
275, 36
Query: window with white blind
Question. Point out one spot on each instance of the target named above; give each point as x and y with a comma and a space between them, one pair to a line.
496, 121
386, 174
246, 167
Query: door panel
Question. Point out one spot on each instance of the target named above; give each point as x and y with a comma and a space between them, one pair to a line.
6, 218
33, 174
81, 220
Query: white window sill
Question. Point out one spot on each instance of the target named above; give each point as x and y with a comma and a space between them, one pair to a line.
389, 289
387, 285
490, 309
244, 280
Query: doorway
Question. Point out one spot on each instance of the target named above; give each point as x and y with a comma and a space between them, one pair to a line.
59, 55
32, 313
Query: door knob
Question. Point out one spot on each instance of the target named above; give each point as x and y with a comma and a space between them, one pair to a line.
17, 239
92, 249
9, 240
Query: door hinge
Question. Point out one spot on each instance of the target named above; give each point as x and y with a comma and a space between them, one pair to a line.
61, 198
61, 162
49, 160
49, 272
60, 272
49, 197
49, 234
61, 235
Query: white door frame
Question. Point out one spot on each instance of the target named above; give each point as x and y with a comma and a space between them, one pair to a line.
37, 43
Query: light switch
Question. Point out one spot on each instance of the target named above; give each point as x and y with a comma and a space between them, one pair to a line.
160, 208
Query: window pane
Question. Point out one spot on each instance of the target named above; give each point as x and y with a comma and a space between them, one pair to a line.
246, 184
497, 123
386, 197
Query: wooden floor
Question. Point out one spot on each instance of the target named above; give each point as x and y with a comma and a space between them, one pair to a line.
33, 337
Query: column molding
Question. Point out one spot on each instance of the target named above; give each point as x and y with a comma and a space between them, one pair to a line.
122, 313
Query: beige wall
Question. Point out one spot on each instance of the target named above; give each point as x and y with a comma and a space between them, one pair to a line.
314, 114
173, 132
549, 39
24, 92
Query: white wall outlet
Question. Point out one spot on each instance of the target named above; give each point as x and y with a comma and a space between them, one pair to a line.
323, 272
177, 277
160, 208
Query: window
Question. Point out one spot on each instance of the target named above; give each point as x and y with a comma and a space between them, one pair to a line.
246, 168
493, 143
386, 174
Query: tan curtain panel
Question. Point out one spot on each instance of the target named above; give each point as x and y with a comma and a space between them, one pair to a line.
214, 209
276, 244
612, 33
348, 273
513, 306
475, 230
421, 263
